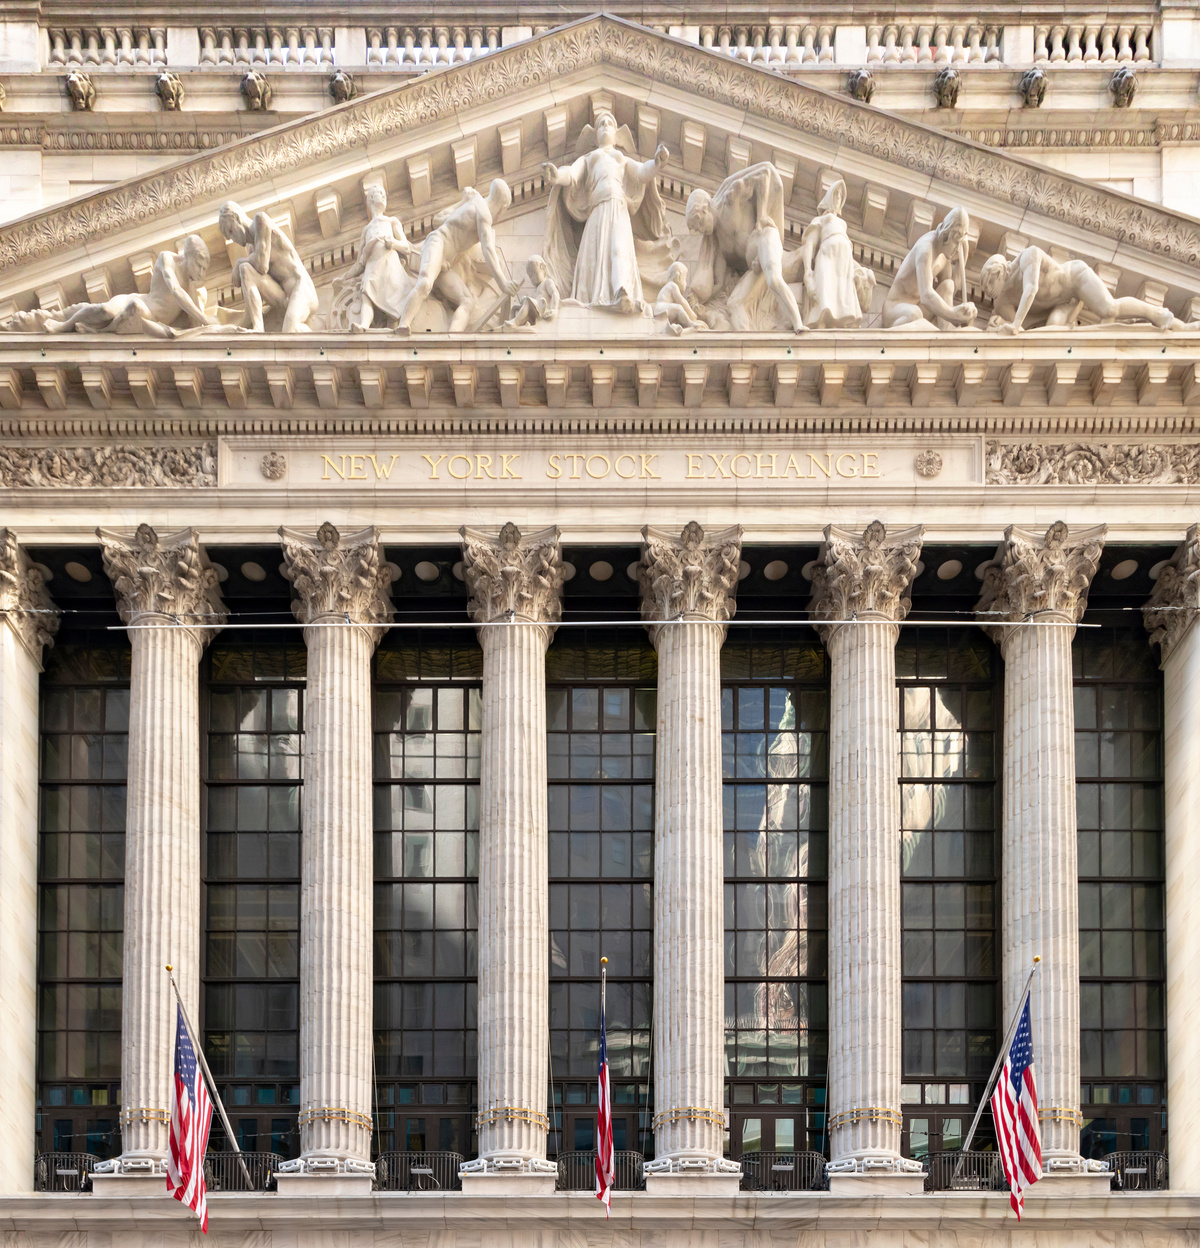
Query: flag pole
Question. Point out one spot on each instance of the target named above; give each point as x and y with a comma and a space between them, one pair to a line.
1008, 1039
199, 1051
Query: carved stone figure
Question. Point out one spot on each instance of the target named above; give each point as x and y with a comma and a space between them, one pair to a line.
81, 91
831, 274
271, 273
1123, 86
917, 298
380, 280
946, 86
174, 292
469, 224
513, 577
169, 89
614, 197
741, 228
256, 91
861, 84
1033, 282
1033, 87
672, 302
342, 87
543, 304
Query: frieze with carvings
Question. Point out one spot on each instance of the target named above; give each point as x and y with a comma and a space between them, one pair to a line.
140, 467
1083, 463
577, 48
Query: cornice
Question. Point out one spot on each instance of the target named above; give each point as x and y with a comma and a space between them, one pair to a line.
538, 64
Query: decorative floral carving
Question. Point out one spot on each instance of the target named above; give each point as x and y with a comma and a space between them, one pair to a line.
1033, 87
256, 91
1094, 463
335, 576
1123, 86
1035, 574
693, 576
513, 577
928, 464
946, 85
23, 597
273, 465
342, 87
1175, 600
575, 49
167, 576
860, 83
81, 91
864, 574
141, 467
169, 89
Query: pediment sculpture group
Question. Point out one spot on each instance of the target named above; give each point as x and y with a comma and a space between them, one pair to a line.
608, 247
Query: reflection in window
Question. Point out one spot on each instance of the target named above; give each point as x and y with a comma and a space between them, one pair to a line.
81, 868
1119, 795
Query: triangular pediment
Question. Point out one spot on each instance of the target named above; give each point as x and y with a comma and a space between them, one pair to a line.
506, 113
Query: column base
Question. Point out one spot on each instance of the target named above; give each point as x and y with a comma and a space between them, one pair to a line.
129, 1185
324, 1184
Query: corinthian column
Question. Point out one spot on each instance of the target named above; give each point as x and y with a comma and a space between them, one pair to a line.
515, 584
342, 597
168, 596
1034, 594
860, 588
1170, 615
27, 624
689, 580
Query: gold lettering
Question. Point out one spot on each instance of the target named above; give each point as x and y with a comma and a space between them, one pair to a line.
868, 464
625, 476
719, 468
792, 466
459, 476
506, 468
384, 474
695, 471
358, 468
597, 476
330, 464
433, 465
483, 467
741, 476
648, 472
826, 467
576, 460
555, 469
758, 461
852, 457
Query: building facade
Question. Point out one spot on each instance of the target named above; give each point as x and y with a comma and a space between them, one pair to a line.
751, 539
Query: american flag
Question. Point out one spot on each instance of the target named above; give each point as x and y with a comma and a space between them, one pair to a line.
191, 1116
605, 1171
1015, 1111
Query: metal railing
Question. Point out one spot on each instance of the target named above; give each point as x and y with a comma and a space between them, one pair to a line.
418, 1172
964, 1172
577, 1172
223, 1172
1138, 1171
783, 1172
63, 1172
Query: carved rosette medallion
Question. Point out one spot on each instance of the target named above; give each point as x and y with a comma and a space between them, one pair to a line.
336, 577
165, 577
928, 464
864, 575
1040, 576
273, 465
1175, 601
24, 598
511, 577
692, 577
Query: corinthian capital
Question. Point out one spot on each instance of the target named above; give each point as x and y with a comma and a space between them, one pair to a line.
23, 597
1173, 605
163, 577
1036, 575
513, 577
692, 576
337, 577
865, 575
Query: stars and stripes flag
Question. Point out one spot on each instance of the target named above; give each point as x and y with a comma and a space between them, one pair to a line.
605, 1166
1015, 1111
191, 1117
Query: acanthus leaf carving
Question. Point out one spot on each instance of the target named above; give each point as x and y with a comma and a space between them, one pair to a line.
1092, 463
1175, 601
864, 574
24, 597
692, 576
337, 577
513, 577
1037, 574
141, 467
168, 576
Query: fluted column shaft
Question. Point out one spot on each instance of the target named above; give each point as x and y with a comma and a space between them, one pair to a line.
513, 894
864, 891
689, 929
